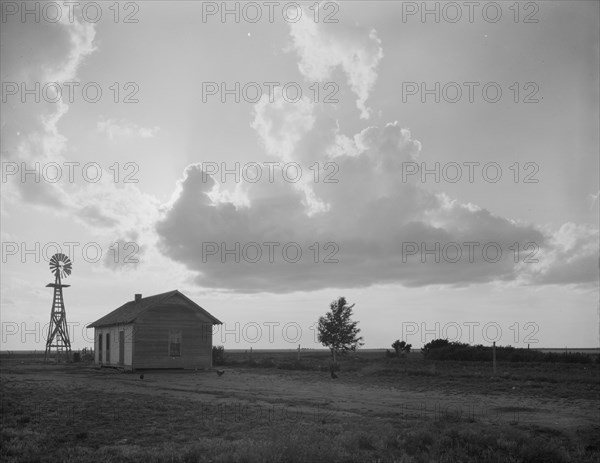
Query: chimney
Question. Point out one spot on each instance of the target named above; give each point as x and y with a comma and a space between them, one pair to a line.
138, 297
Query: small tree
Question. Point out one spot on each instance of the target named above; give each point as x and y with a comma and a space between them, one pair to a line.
337, 331
401, 347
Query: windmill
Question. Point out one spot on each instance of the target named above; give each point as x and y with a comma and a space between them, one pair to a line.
58, 334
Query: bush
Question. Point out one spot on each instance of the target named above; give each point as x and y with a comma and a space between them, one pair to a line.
442, 349
401, 348
218, 355
85, 355
435, 344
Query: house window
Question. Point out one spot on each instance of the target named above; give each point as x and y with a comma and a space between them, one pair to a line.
175, 343
100, 347
107, 347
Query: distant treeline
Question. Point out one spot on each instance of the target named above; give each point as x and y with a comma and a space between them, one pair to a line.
442, 349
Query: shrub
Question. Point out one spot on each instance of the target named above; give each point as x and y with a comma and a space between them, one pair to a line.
85, 355
435, 344
442, 349
218, 355
401, 347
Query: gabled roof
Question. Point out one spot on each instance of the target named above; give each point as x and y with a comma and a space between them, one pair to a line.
128, 312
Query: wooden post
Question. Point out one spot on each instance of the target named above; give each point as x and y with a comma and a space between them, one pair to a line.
298, 352
494, 356
251, 353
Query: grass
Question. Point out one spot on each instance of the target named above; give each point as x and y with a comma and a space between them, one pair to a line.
533, 378
174, 433
76, 414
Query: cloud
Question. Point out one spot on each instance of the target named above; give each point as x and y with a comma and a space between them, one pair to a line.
36, 137
282, 127
321, 50
109, 211
370, 214
571, 257
366, 225
379, 228
593, 200
81, 37
120, 129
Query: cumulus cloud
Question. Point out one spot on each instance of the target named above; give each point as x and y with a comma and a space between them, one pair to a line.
282, 127
115, 129
571, 257
366, 225
34, 140
81, 37
33, 136
354, 50
372, 225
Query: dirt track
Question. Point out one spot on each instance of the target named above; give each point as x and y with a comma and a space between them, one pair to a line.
351, 396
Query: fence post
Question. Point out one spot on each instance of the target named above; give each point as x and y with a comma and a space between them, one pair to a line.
494, 356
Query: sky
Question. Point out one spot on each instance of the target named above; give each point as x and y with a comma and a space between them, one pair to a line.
434, 163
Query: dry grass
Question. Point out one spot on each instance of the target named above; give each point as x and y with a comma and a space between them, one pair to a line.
254, 414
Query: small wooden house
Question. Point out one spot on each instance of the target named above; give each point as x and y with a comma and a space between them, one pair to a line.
167, 330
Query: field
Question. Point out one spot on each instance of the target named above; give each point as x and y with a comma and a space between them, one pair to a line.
271, 407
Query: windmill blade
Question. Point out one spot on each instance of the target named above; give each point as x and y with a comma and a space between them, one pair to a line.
68, 266
60, 264
54, 266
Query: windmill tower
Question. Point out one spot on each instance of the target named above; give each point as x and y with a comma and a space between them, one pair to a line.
58, 333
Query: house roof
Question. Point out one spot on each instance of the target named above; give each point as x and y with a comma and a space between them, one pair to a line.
129, 311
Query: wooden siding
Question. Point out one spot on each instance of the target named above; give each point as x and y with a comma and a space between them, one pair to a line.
113, 332
151, 337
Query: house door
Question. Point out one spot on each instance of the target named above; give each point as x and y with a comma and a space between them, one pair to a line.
121, 347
